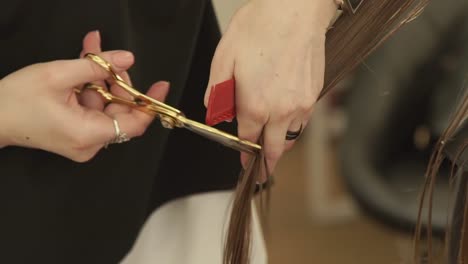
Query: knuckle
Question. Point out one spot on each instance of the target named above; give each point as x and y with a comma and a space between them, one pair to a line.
79, 142
82, 156
305, 105
286, 108
310, 98
257, 111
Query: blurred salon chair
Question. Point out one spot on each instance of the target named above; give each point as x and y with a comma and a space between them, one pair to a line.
458, 215
398, 105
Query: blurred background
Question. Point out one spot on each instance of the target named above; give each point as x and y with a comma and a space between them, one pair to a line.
348, 192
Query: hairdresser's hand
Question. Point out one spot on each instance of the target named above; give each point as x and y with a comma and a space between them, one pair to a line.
39, 108
275, 50
91, 99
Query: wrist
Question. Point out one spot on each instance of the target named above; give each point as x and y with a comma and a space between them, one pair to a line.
308, 16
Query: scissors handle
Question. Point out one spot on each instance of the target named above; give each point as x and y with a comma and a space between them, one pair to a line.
109, 97
138, 97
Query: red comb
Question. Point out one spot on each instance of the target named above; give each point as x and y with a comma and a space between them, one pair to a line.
221, 103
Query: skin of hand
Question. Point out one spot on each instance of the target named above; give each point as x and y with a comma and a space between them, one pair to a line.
39, 108
275, 50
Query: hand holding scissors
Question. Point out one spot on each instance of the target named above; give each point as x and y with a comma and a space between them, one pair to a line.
39, 108
170, 117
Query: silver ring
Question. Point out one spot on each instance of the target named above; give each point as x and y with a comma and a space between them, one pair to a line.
119, 136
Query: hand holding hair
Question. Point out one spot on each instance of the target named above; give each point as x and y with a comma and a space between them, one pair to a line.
275, 51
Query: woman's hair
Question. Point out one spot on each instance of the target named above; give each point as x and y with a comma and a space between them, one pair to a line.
349, 42
237, 248
354, 37
458, 120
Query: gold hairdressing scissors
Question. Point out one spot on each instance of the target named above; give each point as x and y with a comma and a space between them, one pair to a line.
170, 117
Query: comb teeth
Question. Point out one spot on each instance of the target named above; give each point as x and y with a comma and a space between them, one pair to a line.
354, 5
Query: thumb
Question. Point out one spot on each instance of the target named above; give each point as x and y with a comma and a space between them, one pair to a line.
222, 69
71, 73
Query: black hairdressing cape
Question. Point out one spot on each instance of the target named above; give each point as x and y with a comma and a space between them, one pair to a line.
53, 210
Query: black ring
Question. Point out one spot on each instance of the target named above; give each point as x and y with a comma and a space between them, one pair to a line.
266, 185
293, 135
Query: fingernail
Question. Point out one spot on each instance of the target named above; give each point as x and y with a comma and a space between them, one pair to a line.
122, 58
98, 35
262, 179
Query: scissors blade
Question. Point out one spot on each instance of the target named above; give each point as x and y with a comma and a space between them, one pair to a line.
211, 133
221, 137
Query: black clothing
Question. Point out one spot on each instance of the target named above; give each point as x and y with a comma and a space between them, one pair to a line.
56, 211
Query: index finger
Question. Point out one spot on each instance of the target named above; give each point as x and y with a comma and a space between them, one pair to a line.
78, 71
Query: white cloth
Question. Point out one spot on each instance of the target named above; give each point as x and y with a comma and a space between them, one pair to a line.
191, 230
